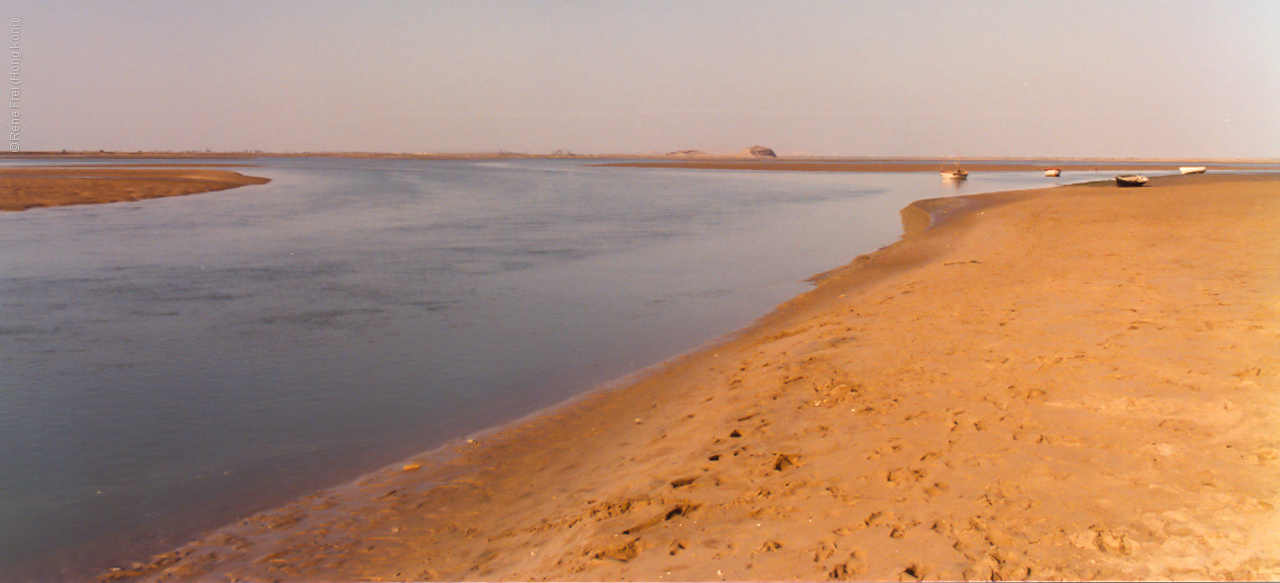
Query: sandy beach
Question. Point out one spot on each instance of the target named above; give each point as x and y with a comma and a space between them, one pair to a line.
26, 188
1070, 383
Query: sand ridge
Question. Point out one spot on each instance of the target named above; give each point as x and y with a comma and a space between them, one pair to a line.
1067, 383
26, 188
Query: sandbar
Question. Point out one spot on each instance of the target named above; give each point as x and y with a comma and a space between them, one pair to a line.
837, 165
1067, 383
27, 188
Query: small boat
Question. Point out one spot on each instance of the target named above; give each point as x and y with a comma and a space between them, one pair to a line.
1052, 172
1131, 180
956, 174
1191, 169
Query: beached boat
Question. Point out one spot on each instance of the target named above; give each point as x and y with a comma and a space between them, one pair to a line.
1052, 172
1191, 169
1131, 180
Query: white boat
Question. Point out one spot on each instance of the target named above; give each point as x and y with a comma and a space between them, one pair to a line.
1127, 180
1191, 169
1052, 172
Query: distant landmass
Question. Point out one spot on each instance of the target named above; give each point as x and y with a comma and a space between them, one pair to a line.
758, 152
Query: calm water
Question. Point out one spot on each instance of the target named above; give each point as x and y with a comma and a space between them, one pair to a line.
168, 366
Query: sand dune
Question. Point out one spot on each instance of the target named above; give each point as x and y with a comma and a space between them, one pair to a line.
1068, 383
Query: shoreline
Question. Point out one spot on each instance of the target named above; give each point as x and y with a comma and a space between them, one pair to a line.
1110, 351
716, 161
839, 165
39, 187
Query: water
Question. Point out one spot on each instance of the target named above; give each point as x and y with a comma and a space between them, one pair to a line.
171, 365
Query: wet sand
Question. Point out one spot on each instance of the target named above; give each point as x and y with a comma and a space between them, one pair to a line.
26, 188
1067, 383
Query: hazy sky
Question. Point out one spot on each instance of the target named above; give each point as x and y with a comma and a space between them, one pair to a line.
934, 78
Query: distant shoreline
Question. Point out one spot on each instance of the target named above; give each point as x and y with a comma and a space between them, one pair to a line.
26, 187
921, 166
854, 163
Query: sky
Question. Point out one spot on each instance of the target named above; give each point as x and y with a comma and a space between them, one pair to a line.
1035, 78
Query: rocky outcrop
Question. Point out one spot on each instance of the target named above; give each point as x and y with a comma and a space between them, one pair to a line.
758, 152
